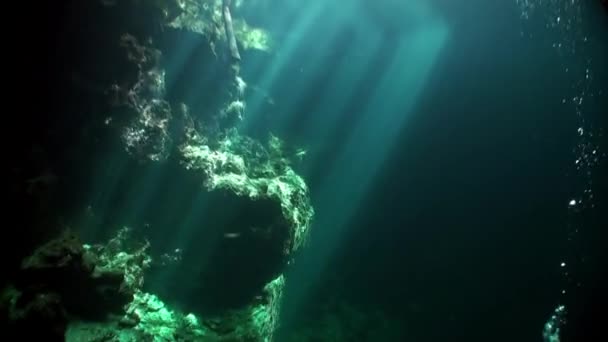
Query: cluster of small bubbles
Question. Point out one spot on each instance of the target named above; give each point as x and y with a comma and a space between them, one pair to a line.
526, 8
551, 330
563, 21
563, 17
587, 157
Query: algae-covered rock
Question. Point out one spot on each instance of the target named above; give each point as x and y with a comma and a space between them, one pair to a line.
252, 38
242, 172
63, 280
155, 319
63, 267
118, 256
200, 16
148, 318
144, 317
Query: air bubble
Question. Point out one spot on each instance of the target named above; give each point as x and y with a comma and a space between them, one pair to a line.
551, 329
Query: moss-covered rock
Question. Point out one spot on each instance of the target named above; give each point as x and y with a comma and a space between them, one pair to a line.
63, 279
63, 267
235, 168
252, 38
155, 319
148, 318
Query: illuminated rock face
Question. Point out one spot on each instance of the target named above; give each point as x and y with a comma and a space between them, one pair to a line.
157, 107
254, 210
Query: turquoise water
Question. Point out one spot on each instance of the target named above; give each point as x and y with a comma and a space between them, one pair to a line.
342, 171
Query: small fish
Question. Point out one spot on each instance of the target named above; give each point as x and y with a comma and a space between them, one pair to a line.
232, 235
300, 154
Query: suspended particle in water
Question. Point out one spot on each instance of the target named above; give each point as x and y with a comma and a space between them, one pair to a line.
580, 131
563, 264
572, 203
578, 100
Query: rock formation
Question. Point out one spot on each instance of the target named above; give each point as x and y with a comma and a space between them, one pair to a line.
153, 88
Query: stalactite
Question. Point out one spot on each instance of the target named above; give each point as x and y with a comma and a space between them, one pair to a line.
234, 50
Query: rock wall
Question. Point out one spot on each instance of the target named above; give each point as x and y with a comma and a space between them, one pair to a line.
154, 87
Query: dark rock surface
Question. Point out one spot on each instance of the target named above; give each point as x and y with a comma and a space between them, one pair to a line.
62, 266
61, 279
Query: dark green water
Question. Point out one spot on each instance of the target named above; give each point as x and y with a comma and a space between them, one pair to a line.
453, 216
